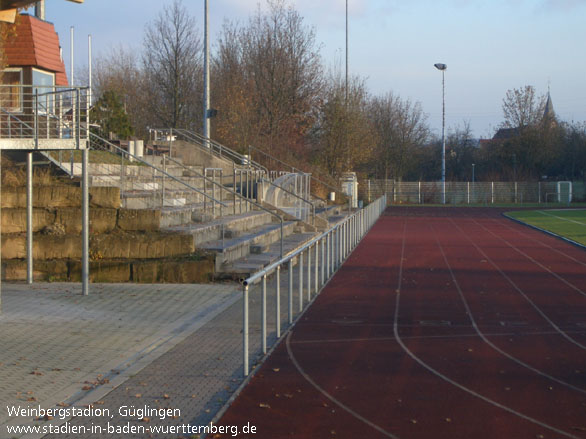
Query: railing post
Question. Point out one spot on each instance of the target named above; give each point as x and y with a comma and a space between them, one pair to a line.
163, 181
278, 303
300, 268
245, 329
317, 267
234, 188
308, 274
327, 251
323, 257
290, 291
264, 315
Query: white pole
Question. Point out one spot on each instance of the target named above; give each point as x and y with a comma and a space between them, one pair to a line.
89, 51
29, 218
206, 73
71, 82
346, 52
443, 138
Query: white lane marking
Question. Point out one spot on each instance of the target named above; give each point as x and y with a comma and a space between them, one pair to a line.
444, 377
572, 286
561, 218
543, 244
481, 334
329, 396
521, 292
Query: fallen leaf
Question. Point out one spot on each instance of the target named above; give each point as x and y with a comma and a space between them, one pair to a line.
165, 396
145, 419
87, 388
138, 395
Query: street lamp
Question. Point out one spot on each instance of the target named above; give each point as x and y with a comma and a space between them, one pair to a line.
443, 68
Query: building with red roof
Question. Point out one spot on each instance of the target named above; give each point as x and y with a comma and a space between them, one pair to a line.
34, 53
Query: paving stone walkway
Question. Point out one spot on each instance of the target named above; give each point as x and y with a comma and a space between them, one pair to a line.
157, 347
59, 349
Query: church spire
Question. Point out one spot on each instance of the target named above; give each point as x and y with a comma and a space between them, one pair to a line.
548, 111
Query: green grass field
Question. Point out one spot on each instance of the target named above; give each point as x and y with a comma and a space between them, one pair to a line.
570, 224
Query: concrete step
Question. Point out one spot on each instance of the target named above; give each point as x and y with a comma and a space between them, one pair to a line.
246, 266
152, 199
178, 220
229, 250
127, 170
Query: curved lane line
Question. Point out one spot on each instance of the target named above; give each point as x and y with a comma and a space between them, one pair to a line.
449, 380
543, 244
571, 285
522, 293
484, 338
329, 396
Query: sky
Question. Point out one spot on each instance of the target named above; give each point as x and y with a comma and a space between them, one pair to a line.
489, 46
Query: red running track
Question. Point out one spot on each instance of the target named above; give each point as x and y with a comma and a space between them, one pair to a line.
443, 323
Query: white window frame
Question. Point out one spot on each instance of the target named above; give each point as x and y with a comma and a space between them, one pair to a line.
48, 101
18, 109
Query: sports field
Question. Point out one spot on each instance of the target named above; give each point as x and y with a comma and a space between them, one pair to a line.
568, 223
444, 324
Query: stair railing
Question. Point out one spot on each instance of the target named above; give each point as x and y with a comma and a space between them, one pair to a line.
210, 146
234, 194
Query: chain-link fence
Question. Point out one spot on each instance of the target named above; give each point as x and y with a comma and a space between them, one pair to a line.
484, 193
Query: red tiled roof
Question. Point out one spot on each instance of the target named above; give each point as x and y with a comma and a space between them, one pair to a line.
36, 44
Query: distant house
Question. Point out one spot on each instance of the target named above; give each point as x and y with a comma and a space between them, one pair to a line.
504, 134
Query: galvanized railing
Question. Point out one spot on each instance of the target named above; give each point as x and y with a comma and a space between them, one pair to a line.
248, 202
138, 177
330, 249
298, 212
209, 145
291, 168
42, 114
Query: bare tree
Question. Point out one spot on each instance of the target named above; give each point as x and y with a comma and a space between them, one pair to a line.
118, 71
233, 91
343, 134
172, 68
400, 126
522, 107
284, 65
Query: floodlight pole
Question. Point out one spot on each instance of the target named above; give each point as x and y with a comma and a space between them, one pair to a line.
346, 54
443, 68
206, 80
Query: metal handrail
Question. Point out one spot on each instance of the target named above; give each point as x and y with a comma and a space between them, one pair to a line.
295, 195
336, 244
214, 147
293, 168
234, 193
163, 172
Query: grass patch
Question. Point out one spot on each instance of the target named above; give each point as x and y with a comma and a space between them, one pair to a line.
569, 223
